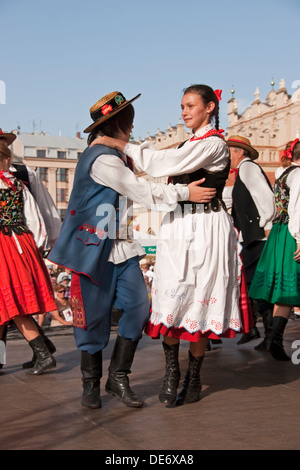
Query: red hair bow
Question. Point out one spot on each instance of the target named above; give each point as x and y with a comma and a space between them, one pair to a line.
293, 144
218, 94
288, 152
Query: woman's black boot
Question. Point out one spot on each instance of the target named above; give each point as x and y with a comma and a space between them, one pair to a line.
267, 318
191, 388
91, 369
48, 342
44, 359
168, 391
276, 348
120, 366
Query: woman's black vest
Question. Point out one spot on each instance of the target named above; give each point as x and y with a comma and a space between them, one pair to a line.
216, 179
244, 211
282, 196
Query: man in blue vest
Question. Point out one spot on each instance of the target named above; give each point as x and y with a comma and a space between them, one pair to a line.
253, 209
95, 246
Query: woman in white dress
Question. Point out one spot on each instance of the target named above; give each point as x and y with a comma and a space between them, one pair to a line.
197, 279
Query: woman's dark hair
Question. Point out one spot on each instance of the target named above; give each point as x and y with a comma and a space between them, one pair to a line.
296, 152
207, 94
4, 151
285, 160
122, 121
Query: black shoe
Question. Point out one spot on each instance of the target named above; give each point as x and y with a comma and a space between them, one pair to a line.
48, 343
91, 396
267, 319
120, 366
192, 386
263, 346
250, 336
276, 349
118, 385
44, 360
168, 391
91, 369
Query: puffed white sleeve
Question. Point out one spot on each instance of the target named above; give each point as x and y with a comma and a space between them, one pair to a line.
212, 152
47, 207
110, 171
293, 181
34, 220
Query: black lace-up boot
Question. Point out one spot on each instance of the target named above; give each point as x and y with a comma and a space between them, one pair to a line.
191, 388
168, 391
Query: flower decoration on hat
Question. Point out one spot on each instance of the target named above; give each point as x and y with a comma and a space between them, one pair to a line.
107, 108
119, 99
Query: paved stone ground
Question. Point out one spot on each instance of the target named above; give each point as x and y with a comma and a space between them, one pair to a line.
249, 401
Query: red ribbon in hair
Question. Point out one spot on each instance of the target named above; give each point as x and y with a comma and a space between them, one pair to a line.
293, 144
218, 94
288, 152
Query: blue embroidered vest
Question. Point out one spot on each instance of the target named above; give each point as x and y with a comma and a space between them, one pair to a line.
91, 223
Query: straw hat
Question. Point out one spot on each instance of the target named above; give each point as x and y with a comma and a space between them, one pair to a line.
8, 137
242, 142
107, 107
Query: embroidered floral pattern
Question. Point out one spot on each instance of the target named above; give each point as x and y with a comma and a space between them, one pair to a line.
282, 196
172, 294
212, 300
11, 206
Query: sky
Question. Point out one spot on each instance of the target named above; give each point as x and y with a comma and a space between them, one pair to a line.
58, 57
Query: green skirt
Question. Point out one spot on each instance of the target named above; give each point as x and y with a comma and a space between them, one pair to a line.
277, 275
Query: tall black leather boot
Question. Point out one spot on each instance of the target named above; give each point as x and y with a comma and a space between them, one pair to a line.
48, 342
192, 386
276, 348
120, 366
168, 391
44, 359
267, 318
91, 369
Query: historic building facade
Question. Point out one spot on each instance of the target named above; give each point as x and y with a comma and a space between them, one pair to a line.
269, 125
